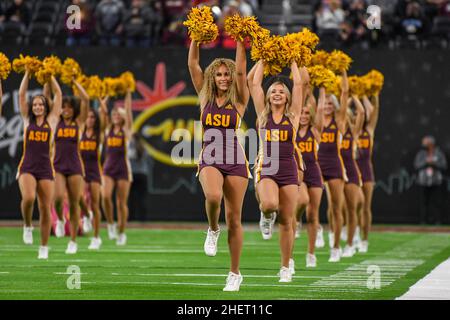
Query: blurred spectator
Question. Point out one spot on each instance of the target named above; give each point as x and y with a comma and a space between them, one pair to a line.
18, 12
243, 6
430, 162
329, 18
109, 17
357, 18
81, 36
413, 24
387, 6
137, 24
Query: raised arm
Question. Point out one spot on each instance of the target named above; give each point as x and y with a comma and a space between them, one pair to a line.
318, 118
300, 82
194, 66
373, 119
341, 114
47, 92
55, 113
84, 104
23, 105
103, 113
241, 77
129, 113
256, 89
1, 95
359, 121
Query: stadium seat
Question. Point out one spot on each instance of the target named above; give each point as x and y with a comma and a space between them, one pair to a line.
441, 27
43, 16
12, 32
39, 34
49, 7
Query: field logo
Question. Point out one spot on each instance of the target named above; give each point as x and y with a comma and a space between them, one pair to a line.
374, 19
74, 280
374, 280
74, 20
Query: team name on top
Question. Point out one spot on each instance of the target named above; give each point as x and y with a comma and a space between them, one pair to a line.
328, 137
276, 135
363, 143
218, 120
114, 142
346, 142
38, 136
67, 132
88, 145
306, 146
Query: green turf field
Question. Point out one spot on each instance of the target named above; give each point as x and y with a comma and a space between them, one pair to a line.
170, 264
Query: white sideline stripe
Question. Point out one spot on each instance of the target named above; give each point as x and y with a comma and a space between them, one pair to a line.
435, 285
206, 275
200, 284
4, 272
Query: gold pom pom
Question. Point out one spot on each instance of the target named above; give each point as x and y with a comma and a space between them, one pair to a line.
70, 70
338, 61
22, 63
5, 66
200, 24
320, 57
129, 83
240, 27
322, 77
374, 82
308, 38
96, 88
51, 66
357, 86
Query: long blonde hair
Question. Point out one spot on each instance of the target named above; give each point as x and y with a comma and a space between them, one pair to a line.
262, 119
209, 90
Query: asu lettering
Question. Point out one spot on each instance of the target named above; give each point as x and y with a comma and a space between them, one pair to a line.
328, 137
276, 135
88, 145
38, 136
345, 144
363, 143
114, 142
218, 120
67, 132
305, 146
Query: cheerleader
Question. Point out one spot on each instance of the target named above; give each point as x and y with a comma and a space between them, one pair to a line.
364, 161
116, 169
277, 176
308, 139
1, 95
35, 173
353, 193
330, 161
90, 153
223, 171
68, 164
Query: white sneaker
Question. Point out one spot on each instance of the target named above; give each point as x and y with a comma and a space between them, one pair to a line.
363, 246
87, 225
72, 247
285, 275
292, 266
319, 238
95, 244
331, 239
60, 230
311, 261
298, 230
357, 238
43, 252
344, 233
28, 235
349, 251
121, 239
233, 282
335, 255
112, 231
210, 245
266, 225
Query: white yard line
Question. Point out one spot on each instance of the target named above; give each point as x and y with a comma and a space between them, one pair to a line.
434, 286
207, 275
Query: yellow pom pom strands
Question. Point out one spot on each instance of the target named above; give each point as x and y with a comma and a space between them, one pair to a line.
357, 86
5, 66
240, 27
374, 82
51, 66
128, 82
33, 64
338, 61
322, 77
200, 24
70, 70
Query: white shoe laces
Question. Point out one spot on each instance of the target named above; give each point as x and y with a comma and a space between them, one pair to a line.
212, 237
232, 280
